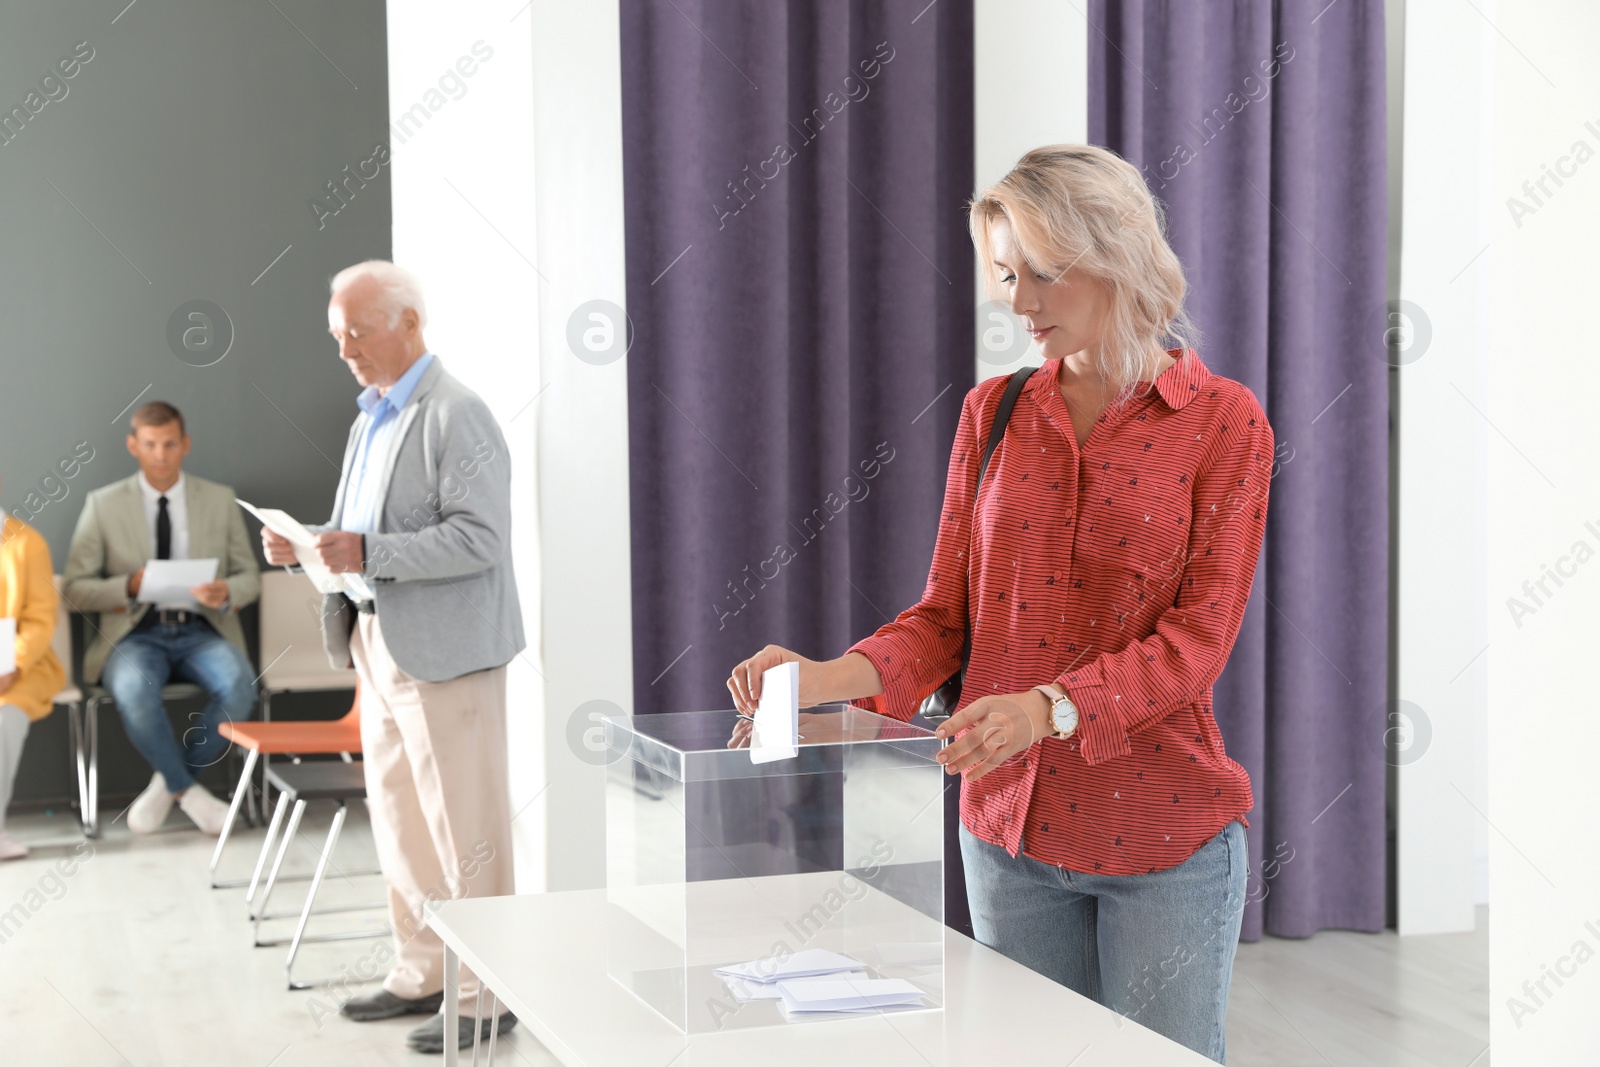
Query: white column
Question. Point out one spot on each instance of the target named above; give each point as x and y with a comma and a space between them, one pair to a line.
1030, 73
507, 190
1537, 397
583, 420
1442, 142
461, 168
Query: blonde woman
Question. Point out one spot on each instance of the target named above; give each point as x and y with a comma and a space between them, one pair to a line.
28, 598
1104, 569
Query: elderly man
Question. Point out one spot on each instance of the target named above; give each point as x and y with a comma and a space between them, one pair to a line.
423, 513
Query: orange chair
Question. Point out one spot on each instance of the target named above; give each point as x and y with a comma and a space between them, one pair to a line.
341, 736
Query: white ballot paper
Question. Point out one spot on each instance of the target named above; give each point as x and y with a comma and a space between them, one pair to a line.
844, 993
803, 964
304, 541
817, 980
775, 734
8, 645
168, 581
746, 989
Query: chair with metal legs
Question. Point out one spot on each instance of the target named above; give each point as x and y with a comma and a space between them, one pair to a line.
83, 719
340, 737
292, 658
70, 697
300, 784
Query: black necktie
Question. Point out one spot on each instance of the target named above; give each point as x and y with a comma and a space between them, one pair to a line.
163, 530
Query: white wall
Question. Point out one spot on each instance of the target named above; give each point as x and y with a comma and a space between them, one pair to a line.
464, 221
1544, 494
1030, 88
1441, 627
508, 203
583, 422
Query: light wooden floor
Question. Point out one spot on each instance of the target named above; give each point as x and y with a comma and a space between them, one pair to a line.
1376, 1000
133, 960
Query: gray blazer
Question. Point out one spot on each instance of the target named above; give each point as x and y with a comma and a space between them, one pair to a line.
113, 540
440, 563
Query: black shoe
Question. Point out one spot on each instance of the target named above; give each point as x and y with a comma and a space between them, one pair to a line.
383, 1004
429, 1037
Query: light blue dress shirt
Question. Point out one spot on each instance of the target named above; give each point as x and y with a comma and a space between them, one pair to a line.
364, 495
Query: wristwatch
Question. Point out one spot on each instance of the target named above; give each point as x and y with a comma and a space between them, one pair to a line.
1063, 712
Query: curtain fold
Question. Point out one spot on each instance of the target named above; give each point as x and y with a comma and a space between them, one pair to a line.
1261, 126
799, 281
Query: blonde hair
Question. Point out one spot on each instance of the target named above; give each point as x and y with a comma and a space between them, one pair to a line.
1085, 206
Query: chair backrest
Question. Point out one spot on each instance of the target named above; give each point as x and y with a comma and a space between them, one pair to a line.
61, 637
291, 636
353, 716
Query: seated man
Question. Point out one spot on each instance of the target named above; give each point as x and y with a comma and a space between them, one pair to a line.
161, 513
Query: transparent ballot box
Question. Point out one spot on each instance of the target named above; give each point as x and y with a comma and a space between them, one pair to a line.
713, 860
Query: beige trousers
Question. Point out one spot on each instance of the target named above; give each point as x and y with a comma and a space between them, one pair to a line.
435, 759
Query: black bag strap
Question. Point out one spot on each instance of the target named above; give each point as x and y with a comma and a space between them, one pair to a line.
997, 430
1002, 415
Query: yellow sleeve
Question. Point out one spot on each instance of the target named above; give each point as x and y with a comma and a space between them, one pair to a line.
36, 618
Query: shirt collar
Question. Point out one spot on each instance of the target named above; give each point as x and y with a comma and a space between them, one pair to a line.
1182, 382
152, 494
400, 394
1177, 385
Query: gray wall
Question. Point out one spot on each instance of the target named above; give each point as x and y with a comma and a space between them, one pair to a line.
174, 165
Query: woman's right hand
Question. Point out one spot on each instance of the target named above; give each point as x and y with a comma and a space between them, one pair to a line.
745, 682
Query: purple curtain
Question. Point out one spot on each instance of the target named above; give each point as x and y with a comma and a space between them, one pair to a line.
1262, 128
801, 294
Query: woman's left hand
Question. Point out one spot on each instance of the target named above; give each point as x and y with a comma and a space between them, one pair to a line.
997, 728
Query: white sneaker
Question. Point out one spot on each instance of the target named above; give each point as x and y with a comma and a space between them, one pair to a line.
149, 811
11, 848
208, 813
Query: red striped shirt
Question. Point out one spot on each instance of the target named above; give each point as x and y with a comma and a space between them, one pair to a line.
1120, 572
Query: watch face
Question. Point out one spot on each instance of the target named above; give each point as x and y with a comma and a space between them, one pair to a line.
1064, 716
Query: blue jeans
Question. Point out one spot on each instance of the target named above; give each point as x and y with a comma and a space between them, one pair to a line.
151, 656
1157, 948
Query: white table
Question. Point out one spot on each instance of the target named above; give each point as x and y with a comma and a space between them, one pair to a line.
543, 957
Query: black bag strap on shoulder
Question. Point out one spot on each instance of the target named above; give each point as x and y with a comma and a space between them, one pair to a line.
942, 702
1002, 415
997, 430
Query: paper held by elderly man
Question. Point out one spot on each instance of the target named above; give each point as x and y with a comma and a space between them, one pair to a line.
305, 553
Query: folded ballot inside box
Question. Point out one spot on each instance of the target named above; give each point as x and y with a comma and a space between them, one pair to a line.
846, 993
812, 961
817, 981
729, 880
744, 989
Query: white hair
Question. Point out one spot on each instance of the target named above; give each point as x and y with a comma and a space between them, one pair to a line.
401, 289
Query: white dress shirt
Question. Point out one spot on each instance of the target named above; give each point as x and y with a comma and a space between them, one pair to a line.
177, 514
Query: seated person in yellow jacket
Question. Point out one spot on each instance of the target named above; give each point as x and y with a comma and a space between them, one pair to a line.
28, 597
162, 513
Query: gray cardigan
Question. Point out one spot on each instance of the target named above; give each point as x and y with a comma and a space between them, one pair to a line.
440, 562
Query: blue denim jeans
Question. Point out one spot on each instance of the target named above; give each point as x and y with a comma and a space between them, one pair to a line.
151, 656
1157, 948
